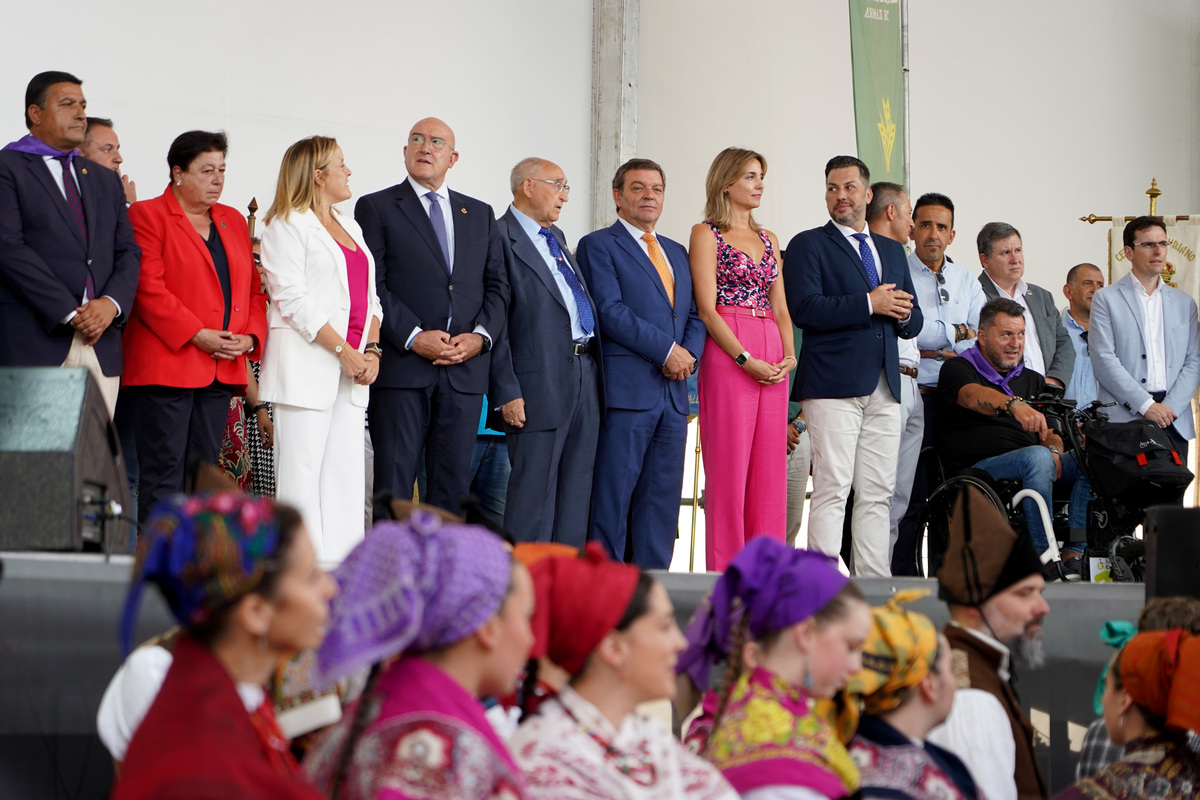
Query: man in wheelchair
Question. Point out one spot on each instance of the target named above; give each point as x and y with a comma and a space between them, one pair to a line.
989, 425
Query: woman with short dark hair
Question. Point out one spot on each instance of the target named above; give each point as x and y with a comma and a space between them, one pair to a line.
199, 313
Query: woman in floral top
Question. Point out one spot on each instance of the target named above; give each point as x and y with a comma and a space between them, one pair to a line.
746, 360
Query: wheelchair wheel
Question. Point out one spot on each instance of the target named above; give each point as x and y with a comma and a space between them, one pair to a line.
933, 525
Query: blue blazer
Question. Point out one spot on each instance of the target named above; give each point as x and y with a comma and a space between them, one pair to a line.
415, 284
844, 345
533, 358
1118, 349
44, 260
637, 321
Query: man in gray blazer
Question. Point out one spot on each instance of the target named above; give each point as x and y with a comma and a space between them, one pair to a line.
1144, 340
1048, 347
546, 368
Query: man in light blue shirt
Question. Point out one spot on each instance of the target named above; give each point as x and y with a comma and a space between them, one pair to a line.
1082, 282
950, 298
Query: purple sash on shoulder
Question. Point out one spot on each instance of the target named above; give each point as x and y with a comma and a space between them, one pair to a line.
988, 372
35, 146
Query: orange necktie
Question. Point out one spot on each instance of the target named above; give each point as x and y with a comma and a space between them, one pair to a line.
660, 264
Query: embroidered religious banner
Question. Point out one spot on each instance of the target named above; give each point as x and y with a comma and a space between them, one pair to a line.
875, 56
1182, 272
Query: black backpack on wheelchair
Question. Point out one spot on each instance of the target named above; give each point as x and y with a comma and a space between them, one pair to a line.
1134, 465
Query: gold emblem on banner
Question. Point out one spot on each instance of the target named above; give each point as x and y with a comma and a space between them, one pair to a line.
887, 133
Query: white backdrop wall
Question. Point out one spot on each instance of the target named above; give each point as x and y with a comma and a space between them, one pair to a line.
512, 78
1026, 111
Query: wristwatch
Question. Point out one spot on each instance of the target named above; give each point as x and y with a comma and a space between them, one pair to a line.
742, 358
1053, 449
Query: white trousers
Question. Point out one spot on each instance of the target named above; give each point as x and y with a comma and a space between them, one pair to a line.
912, 431
855, 442
319, 468
83, 355
797, 488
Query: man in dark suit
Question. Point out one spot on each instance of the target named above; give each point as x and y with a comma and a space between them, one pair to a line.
652, 339
546, 377
441, 280
850, 291
1048, 348
68, 260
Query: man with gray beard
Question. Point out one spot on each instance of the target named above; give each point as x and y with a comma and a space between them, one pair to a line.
991, 579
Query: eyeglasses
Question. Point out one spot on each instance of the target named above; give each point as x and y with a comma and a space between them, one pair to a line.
943, 295
559, 186
436, 142
1150, 247
1086, 347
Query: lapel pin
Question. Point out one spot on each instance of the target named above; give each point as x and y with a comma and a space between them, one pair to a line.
464, 211
84, 171
222, 224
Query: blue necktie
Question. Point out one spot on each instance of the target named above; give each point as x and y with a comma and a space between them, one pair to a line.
439, 227
868, 258
581, 299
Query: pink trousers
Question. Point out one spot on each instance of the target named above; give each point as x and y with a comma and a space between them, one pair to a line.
743, 436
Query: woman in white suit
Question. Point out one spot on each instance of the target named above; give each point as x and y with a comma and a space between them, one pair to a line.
322, 350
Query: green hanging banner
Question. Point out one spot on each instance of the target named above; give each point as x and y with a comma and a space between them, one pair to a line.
878, 87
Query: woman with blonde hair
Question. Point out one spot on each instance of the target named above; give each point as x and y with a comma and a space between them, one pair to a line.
745, 365
323, 347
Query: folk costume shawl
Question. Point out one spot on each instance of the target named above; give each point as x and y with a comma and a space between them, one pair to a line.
1158, 766
892, 765
198, 742
425, 738
570, 751
770, 735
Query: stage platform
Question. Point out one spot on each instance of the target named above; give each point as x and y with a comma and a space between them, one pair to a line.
59, 615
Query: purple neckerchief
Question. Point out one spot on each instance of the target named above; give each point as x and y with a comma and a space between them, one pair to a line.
989, 373
35, 146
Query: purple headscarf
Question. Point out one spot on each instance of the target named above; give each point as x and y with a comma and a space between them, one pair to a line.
412, 586
776, 585
990, 373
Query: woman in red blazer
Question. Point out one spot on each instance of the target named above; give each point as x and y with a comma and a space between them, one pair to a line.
199, 311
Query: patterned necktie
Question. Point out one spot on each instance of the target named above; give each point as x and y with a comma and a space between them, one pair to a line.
439, 227
76, 206
868, 258
660, 265
581, 299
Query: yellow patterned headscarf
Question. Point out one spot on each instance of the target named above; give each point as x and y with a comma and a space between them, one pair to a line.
897, 655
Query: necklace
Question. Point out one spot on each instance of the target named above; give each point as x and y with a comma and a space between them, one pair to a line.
638, 768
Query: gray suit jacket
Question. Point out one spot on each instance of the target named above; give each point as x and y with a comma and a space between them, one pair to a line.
1117, 342
531, 359
1057, 350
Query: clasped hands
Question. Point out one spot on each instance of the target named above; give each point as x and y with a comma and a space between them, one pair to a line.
889, 301
221, 345
767, 373
679, 364
93, 318
443, 349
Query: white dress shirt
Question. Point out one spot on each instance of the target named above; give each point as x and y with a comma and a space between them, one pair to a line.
1153, 335
1033, 348
638, 233
531, 229
55, 167
850, 233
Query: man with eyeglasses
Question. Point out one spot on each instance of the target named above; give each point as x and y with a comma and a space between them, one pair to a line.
950, 299
1083, 281
1048, 349
444, 289
546, 371
1144, 340
890, 214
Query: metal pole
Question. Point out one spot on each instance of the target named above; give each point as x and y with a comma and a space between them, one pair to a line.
696, 500
904, 66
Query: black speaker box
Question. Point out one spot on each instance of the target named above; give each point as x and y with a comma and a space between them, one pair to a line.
60, 463
1172, 551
